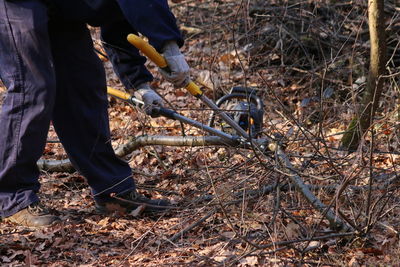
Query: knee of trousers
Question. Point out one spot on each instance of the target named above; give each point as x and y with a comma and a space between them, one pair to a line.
38, 97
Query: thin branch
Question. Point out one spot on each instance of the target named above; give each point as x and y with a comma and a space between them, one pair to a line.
191, 226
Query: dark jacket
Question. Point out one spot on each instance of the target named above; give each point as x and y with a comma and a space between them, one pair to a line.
152, 18
118, 18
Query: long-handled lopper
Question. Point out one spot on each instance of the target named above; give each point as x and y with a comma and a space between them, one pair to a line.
193, 89
171, 114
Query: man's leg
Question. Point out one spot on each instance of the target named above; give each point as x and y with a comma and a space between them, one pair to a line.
80, 113
26, 70
81, 121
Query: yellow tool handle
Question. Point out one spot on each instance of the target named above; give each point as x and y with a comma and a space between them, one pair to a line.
194, 89
150, 52
119, 94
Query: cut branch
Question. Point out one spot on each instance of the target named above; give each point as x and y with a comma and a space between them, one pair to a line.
138, 142
335, 222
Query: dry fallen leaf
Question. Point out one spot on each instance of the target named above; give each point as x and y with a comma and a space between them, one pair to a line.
249, 261
292, 230
136, 212
115, 208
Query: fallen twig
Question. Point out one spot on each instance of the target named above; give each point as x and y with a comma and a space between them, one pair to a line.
335, 222
193, 225
315, 238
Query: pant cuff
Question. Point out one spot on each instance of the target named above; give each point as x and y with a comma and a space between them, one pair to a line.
20, 206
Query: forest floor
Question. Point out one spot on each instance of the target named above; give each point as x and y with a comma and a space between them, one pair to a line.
308, 61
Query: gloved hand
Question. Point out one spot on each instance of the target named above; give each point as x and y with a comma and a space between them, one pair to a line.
179, 69
149, 97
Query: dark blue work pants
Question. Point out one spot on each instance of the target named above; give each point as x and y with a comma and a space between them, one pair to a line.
51, 73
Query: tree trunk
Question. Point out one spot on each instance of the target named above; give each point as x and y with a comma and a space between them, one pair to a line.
363, 120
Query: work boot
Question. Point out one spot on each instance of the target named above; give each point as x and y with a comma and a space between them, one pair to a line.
35, 215
125, 203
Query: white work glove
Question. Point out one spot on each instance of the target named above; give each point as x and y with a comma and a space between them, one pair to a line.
179, 69
150, 98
